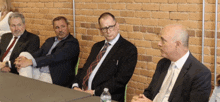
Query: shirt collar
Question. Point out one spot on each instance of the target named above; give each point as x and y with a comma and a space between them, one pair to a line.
113, 41
17, 36
179, 63
56, 38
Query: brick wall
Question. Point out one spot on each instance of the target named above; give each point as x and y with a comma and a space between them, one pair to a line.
140, 22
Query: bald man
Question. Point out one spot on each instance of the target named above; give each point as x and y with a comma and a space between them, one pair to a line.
179, 77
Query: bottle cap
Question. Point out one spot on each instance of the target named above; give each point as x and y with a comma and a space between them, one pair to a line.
105, 89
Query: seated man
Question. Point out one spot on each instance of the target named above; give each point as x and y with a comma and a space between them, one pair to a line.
110, 64
19, 40
179, 77
57, 58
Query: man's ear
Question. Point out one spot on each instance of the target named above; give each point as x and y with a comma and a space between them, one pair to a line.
178, 43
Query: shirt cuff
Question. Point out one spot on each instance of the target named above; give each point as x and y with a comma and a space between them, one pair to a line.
75, 85
9, 64
34, 62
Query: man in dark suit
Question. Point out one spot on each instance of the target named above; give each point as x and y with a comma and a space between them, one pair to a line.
57, 58
111, 70
12, 44
179, 77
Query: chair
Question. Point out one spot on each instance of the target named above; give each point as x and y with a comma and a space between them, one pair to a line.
125, 92
76, 68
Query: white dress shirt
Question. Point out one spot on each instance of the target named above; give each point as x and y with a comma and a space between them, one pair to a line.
179, 64
92, 75
215, 95
7, 57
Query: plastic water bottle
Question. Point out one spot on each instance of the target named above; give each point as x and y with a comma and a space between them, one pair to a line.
105, 96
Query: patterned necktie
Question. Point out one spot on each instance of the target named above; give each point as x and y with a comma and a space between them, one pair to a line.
9, 48
165, 85
93, 65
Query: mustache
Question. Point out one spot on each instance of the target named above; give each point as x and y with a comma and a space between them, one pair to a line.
61, 32
17, 31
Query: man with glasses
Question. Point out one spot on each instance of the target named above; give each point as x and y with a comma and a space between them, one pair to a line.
110, 64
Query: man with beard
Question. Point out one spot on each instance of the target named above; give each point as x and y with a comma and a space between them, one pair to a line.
17, 41
56, 59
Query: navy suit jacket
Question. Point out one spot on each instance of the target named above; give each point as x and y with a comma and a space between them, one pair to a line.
61, 61
192, 85
115, 71
27, 42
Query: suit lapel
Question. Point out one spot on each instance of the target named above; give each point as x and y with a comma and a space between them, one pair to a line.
6, 43
162, 76
22, 40
113, 50
110, 54
180, 78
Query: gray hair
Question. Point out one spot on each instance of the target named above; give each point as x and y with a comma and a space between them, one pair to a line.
16, 15
182, 35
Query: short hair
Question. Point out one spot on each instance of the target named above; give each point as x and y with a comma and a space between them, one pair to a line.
16, 15
106, 14
183, 36
59, 18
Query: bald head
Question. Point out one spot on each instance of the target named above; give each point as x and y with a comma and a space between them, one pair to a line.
178, 32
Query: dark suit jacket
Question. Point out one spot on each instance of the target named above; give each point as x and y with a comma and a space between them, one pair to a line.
192, 85
61, 61
110, 74
27, 42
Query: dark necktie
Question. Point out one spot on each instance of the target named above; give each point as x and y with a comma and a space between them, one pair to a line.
9, 48
93, 65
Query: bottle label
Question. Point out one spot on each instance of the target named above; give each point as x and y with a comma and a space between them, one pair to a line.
105, 101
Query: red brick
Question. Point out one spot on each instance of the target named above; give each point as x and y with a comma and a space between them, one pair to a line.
134, 6
177, 1
151, 66
135, 21
195, 1
140, 43
153, 52
135, 35
143, 14
118, 6
127, 13
179, 16
168, 7
160, 1
195, 41
190, 7
142, 50
156, 59
149, 22
151, 37
151, 6
142, 1
104, 6
164, 22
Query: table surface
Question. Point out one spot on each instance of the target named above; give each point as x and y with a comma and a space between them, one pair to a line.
15, 88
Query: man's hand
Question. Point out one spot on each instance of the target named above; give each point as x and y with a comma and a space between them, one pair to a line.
78, 89
140, 98
5, 69
2, 65
90, 92
22, 62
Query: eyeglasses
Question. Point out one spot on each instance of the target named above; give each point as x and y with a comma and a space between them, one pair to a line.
105, 29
